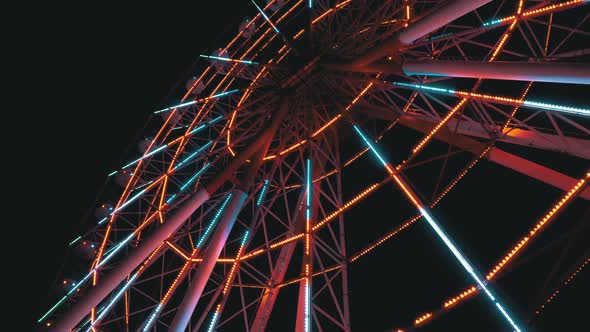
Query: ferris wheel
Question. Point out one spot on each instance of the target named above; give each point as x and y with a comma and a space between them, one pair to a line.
232, 214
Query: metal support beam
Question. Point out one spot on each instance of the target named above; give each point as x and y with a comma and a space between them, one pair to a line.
95, 295
193, 293
569, 145
499, 156
91, 299
574, 73
435, 19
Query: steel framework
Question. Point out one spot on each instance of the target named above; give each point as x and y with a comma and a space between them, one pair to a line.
240, 196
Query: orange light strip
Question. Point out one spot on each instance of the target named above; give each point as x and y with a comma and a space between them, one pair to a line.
177, 250
460, 297
551, 7
535, 230
319, 18
348, 204
325, 126
233, 268
577, 188
571, 277
503, 41
273, 246
439, 125
385, 238
461, 175
422, 318
526, 91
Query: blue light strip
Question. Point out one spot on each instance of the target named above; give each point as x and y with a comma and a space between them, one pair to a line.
188, 103
213, 221
262, 192
438, 230
227, 59
193, 155
103, 220
195, 176
177, 106
308, 187
442, 35
105, 259
147, 155
244, 238
370, 145
307, 306
75, 240
559, 108
113, 301
213, 321
129, 201
309, 4
265, 17
170, 199
492, 22
152, 317
525, 103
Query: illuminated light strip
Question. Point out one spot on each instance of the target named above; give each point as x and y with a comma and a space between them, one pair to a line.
188, 103
184, 186
213, 221
214, 319
518, 102
548, 217
228, 59
319, 18
460, 297
551, 7
307, 303
147, 155
533, 12
526, 91
233, 268
503, 40
328, 124
194, 131
309, 191
192, 155
422, 318
559, 108
272, 246
450, 186
124, 288
266, 17
385, 238
571, 277
343, 3
309, 3
438, 36
262, 192
113, 301
308, 197
346, 206
177, 250
416, 218
441, 123
325, 126
434, 225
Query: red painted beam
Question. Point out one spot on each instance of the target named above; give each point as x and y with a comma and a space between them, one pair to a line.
498, 156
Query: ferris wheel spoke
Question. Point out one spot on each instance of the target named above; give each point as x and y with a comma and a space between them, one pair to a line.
427, 24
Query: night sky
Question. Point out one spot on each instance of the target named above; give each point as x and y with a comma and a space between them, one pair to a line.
107, 66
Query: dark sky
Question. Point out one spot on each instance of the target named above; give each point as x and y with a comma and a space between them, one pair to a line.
105, 67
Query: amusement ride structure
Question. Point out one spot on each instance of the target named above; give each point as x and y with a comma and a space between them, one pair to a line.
238, 199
